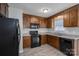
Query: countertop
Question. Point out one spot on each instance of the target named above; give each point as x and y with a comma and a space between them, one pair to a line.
64, 35
58, 34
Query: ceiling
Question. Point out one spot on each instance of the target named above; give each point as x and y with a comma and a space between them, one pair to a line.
36, 8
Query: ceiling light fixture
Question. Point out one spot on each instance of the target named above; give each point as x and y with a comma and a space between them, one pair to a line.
45, 10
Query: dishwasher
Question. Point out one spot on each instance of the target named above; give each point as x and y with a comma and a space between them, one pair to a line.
67, 46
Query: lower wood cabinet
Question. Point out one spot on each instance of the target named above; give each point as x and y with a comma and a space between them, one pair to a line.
43, 39
26, 41
53, 41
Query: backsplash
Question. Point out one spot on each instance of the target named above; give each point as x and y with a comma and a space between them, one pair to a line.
73, 30
39, 30
69, 30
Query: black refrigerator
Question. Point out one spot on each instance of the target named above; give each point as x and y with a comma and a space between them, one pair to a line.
9, 37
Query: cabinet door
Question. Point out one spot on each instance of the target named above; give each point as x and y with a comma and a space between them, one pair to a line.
49, 40
35, 20
26, 21
78, 15
53, 41
70, 17
49, 23
66, 18
73, 16
43, 23
43, 39
26, 41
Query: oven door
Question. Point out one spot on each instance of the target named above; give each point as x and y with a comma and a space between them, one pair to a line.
35, 41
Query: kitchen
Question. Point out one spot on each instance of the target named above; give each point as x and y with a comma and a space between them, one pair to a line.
55, 27
55, 34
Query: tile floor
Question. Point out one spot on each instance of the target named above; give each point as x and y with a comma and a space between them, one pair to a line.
44, 50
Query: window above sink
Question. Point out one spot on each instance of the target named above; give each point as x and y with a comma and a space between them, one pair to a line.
58, 24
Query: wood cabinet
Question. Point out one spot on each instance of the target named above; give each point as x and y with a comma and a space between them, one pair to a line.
53, 41
78, 16
28, 19
35, 20
66, 19
4, 9
43, 39
49, 23
70, 17
43, 23
26, 41
73, 16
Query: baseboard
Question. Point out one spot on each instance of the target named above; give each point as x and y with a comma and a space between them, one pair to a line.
21, 51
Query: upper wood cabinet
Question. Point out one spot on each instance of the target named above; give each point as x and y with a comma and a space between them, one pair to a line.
70, 17
74, 16
66, 19
78, 15
43, 23
4, 9
35, 20
28, 19
50, 23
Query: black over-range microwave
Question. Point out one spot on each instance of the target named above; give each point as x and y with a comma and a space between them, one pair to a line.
34, 26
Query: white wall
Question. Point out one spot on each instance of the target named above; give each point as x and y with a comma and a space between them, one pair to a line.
17, 13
